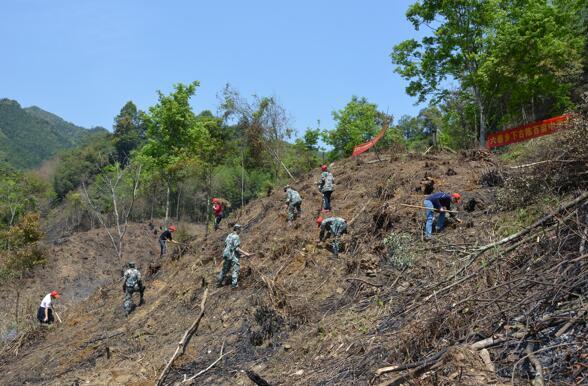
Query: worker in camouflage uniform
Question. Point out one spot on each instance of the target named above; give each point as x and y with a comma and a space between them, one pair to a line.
326, 187
294, 202
132, 283
231, 256
332, 226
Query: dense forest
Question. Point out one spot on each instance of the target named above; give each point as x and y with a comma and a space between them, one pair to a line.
29, 136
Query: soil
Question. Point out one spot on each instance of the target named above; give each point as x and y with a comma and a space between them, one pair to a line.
295, 318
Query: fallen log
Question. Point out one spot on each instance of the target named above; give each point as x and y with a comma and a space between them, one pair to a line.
570, 323
485, 355
358, 213
256, 378
524, 232
538, 381
404, 379
484, 343
181, 349
424, 362
191, 379
536, 224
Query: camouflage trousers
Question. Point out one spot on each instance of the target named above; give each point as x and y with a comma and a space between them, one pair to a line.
294, 210
230, 264
336, 246
129, 305
338, 229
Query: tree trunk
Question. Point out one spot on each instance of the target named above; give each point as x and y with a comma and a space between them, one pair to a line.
120, 246
207, 203
17, 306
242, 178
179, 198
482, 118
167, 205
152, 204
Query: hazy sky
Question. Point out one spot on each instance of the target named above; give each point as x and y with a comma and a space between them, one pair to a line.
84, 59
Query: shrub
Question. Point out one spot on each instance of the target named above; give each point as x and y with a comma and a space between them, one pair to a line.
21, 251
557, 165
398, 250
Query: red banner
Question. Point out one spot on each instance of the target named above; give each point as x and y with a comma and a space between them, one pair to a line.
363, 147
526, 132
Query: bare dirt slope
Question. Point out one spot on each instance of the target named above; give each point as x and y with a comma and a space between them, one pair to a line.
299, 315
76, 266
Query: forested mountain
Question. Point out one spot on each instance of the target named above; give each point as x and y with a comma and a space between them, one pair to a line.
31, 135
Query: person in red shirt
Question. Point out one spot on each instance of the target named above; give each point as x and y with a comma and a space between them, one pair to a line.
217, 208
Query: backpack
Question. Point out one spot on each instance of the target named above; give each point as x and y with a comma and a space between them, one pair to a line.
329, 182
133, 279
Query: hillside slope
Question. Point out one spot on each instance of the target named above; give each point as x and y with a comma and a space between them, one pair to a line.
301, 316
77, 265
31, 135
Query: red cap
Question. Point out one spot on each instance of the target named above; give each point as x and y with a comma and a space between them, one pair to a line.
55, 294
319, 221
214, 200
172, 228
457, 196
324, 168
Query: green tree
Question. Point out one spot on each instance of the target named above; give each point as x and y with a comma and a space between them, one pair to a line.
129, 131
82, 163
511, 58
262, 125
304, 155
409, 127
21, 251
431, 122
176, 139
534, 82
20, 192
454, 50
357, 121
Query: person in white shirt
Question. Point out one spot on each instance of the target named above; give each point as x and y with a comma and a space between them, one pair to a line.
45, 312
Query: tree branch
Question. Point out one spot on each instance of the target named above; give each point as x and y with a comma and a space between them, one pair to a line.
181, 349
221, 355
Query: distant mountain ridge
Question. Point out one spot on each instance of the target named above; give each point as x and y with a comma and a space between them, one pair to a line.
31, 135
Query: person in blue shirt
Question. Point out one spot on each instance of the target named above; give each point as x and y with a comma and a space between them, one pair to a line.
438, 202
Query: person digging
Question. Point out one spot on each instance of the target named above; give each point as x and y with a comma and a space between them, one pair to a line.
441, 203
45, 311
231, 255
164, 238
132, 283
332, 227
293, 202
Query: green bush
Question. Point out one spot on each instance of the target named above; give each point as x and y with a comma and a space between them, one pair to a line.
398, 250
21, 251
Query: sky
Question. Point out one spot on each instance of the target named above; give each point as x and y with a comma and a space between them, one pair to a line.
83, 60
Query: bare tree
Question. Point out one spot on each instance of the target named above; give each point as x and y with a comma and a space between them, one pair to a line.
264, 125
110, 186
